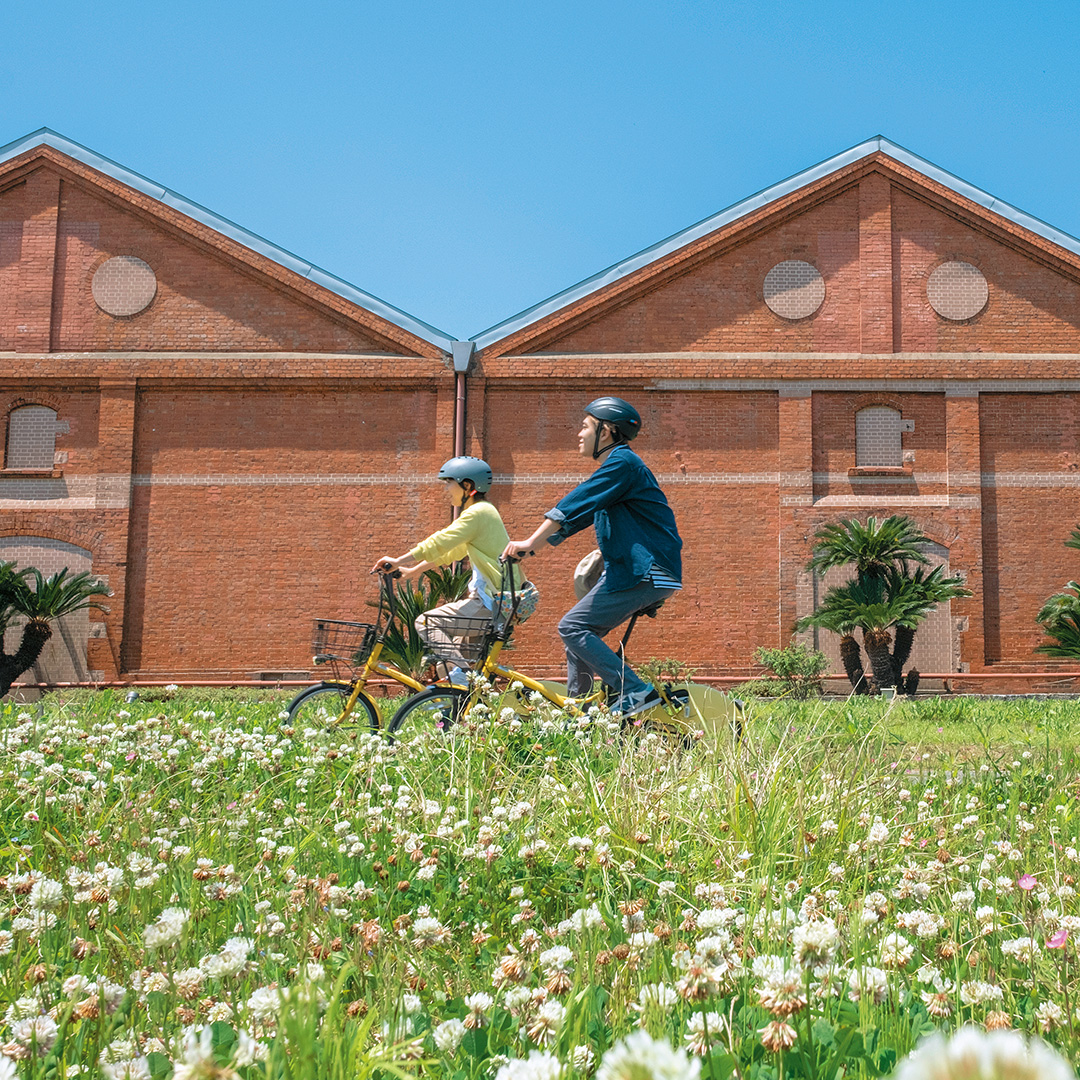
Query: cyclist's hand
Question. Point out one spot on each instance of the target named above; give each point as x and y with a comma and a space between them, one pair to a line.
384, 564
517, 550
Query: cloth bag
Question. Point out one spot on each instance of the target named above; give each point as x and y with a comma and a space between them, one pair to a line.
588, 572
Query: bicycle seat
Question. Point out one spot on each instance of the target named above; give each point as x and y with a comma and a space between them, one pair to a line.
650, 611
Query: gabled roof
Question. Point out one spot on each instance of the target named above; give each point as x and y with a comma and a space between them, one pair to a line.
47, 137
754, 203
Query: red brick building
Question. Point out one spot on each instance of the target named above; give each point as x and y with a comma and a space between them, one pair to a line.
229, 434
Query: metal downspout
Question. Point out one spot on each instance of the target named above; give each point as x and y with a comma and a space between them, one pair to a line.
462, 354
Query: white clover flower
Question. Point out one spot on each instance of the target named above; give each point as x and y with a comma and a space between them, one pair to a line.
878, 833
703, 1032
581, 1057
1021, 949
478, 1005
976, 992
1050, 1015
188, 982
39, 1031
46, 894
815, 943
896, 950
516, 998
448, 1035
168, 928
765, 966
641, 1057
544, 1025
710, 919
539, 1065
972, 1054
869, 982
557, 958
264, 1002
428, 932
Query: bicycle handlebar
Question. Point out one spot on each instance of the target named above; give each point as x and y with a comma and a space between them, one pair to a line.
515, 558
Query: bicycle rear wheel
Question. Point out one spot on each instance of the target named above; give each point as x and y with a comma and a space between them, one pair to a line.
322, 707
435, 707
692, 708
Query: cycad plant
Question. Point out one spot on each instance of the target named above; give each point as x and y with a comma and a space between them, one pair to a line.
41, 604
436, 586
1060, 616
887, 599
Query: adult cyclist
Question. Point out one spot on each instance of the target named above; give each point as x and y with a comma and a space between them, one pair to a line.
638, 538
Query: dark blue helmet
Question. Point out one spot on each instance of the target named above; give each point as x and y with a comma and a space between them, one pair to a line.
621, 415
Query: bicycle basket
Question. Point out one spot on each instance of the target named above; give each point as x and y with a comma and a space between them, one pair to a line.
348, 641
453, 637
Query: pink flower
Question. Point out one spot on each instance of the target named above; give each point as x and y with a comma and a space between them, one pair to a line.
1026, 882
1058, 940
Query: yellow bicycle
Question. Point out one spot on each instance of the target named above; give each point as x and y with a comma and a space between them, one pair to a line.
356, 647
685, 708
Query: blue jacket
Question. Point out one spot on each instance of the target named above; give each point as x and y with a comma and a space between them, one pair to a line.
634, 524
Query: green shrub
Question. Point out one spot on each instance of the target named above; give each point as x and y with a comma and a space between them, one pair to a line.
796, 672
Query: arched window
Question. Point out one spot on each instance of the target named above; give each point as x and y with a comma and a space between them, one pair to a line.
31, 438
877, 437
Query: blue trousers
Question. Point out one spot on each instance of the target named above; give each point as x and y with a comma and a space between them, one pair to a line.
582, 630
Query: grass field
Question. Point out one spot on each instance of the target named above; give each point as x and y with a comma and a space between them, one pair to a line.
194, 889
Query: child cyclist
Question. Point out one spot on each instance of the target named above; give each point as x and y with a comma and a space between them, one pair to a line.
636, 534
478, 534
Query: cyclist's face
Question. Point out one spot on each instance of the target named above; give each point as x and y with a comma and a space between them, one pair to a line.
455, 493
586, 439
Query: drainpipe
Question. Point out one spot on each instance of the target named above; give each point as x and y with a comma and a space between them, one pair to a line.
463, 354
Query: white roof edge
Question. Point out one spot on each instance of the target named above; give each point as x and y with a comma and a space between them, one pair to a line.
764, 198
402, 319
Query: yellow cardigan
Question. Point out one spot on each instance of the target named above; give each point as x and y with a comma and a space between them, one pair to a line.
479, 534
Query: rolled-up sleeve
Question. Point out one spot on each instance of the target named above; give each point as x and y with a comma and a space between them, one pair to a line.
575, 511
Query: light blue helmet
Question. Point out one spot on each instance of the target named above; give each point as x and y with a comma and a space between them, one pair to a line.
468, 468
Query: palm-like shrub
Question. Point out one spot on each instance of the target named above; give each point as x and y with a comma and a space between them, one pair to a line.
41, 604
1060, 616
886, 600
403, 646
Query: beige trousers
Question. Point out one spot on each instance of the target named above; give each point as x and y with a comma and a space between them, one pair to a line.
438, 633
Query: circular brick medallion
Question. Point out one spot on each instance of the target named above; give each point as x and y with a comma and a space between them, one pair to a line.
794, 289
123, 285
957, 290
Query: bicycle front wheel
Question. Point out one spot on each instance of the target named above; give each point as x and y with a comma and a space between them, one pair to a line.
322, 707
435, 707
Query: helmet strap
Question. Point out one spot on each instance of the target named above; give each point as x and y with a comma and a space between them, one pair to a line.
596, 451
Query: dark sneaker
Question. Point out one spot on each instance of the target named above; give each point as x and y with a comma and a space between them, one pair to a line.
637, 701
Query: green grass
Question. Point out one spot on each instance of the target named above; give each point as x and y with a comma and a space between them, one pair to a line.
342, 898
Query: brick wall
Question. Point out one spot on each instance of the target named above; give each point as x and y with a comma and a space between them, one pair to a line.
234, 455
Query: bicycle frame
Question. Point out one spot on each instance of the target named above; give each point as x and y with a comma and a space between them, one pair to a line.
686, 711
373, 665
491, 668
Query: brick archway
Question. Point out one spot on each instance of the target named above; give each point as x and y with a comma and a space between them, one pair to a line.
64, 657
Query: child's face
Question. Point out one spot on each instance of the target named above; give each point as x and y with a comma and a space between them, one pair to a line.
455, 493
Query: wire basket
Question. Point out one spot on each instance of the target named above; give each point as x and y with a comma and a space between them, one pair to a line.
469, 639
348, 641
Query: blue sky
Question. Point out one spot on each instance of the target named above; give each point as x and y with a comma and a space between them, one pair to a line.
464, 160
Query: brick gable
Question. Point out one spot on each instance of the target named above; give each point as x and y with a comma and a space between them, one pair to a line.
60, 220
